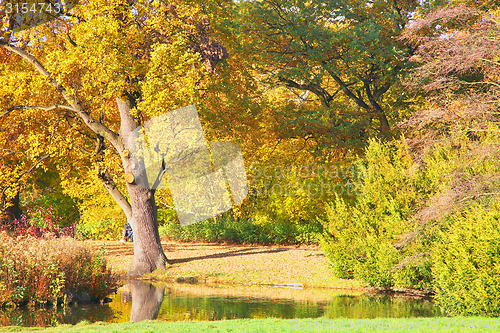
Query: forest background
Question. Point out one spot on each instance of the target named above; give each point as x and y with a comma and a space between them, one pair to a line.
369, 128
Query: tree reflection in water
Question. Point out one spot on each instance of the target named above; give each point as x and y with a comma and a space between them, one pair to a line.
138, 300
146, 300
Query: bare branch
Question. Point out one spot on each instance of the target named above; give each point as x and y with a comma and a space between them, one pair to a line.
33, 166
110, 185
323, 95
36, 107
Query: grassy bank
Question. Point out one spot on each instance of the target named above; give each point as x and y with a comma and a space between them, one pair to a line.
439, 324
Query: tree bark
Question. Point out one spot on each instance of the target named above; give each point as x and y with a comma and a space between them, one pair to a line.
120, 199
148, 253
384, 123
14, 210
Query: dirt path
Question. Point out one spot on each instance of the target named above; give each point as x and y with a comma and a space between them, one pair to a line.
235, 264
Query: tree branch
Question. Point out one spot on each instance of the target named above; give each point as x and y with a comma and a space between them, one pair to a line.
345, 89
76, 104
384, 123
33, 166
36, 107
40, 159
323, 95
348, 92
110, 185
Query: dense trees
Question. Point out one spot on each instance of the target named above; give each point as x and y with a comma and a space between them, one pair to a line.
298, 84
346, 53
433, 223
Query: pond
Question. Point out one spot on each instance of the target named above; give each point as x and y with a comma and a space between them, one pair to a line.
139, 300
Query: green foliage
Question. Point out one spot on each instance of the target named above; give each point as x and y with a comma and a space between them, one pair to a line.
346, 54
65, 208
360, 238
466, 262
296, 194
413, 226
226, 229
48, 192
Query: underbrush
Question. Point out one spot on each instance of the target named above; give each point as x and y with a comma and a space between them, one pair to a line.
37, 223
36, 271
243, 231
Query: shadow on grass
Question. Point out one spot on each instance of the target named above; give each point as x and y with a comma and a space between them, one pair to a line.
234, 253
118, 250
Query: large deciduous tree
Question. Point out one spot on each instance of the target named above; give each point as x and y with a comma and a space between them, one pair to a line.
346, 53
76, 88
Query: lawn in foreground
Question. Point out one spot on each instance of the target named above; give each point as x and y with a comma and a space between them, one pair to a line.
437, 324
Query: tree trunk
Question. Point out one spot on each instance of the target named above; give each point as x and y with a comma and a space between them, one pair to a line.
148, 253
385, 128
14, 210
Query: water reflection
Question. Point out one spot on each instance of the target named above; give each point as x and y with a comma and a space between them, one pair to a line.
52, 317
139, 300
147, 300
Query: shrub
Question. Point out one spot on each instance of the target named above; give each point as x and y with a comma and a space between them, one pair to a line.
38, 223
466, 263
360, 237
387, 235
227, 229
45, 270
62, 207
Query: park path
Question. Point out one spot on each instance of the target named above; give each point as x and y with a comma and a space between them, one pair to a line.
300, 266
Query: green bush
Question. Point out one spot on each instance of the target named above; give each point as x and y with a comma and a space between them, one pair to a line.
65, 208
227, 229
360, 237
379, 238
466, 262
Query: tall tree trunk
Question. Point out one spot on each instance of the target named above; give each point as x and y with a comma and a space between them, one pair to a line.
148, 253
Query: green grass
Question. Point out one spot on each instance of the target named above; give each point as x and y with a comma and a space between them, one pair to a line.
438, 324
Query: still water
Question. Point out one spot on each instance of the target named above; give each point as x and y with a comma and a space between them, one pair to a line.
138, 300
